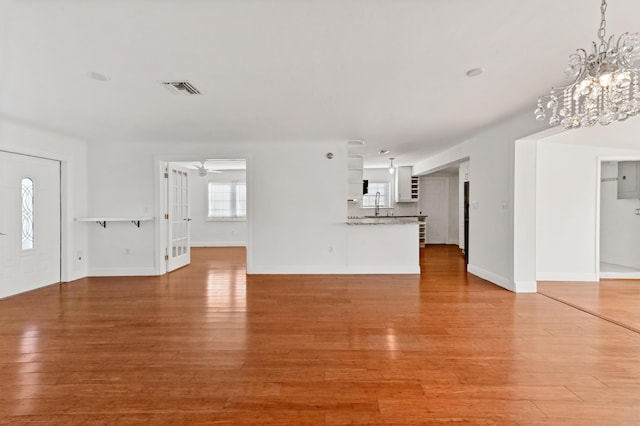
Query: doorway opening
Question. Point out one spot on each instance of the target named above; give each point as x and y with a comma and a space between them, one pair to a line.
619, 208
204, 204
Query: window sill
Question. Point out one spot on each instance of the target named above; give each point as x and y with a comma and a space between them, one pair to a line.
226, 219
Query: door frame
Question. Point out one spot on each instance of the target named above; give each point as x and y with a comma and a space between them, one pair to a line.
160, 190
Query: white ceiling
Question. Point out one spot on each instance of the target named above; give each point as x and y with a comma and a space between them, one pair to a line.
391, 72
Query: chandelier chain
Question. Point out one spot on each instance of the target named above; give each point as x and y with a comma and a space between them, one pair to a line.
603, 22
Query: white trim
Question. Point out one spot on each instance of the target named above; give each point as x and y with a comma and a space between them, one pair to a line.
526, 287
219, 244
566, 276
491, 277
122, 272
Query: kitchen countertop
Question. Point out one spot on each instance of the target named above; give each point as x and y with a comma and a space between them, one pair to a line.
401, 216
383, 220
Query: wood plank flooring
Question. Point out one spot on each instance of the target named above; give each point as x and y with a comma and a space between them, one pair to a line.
615, 300
208, 345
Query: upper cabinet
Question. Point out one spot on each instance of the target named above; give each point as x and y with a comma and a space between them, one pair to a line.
629, 179
407, 188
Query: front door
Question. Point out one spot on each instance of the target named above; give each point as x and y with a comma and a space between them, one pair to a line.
178, 251
29, 223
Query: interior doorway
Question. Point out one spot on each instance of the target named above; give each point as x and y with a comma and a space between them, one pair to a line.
619, 221
467, 189
204, 204
434, 203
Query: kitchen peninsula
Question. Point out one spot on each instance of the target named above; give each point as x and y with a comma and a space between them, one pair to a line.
383, 245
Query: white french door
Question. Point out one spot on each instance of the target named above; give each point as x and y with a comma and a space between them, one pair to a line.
178, 249
29, 223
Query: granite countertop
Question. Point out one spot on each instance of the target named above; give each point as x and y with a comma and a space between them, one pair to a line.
401, 216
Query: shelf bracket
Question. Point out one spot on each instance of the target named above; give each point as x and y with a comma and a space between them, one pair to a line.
136, 223
102, 223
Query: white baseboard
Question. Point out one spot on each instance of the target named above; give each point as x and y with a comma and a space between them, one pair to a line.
219, 244
122, 272
491, 277
453, 241
566, 276
526, 287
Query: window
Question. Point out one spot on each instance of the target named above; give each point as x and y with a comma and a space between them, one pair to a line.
384, 188
28, 240
227, 200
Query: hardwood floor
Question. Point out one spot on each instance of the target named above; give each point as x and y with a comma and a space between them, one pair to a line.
615, 300
208, 345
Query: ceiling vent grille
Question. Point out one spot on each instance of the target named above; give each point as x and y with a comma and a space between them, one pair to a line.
181, 87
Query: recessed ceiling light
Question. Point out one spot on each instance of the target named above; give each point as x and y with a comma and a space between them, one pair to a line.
97, 76
383, 152
474, 72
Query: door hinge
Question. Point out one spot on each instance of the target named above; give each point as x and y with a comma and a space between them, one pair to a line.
166, 216
166, 257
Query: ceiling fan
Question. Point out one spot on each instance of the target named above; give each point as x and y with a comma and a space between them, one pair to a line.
202, 169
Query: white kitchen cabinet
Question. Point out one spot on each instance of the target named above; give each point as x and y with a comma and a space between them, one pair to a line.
355, 170
407, 186
629, 180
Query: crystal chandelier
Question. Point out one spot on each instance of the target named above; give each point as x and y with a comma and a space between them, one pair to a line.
606, 85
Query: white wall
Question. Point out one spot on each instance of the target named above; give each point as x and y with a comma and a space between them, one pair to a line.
619, 225
213, 233
491, 155
567, 186
296, 203
24, 139
397, 209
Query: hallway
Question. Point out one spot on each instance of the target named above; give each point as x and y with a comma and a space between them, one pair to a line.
207, 344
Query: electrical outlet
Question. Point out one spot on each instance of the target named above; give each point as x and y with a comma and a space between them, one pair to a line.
638, 212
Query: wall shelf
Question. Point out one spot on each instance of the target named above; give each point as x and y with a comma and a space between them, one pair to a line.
102, 221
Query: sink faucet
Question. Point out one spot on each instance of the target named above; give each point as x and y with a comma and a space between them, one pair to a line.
377, 203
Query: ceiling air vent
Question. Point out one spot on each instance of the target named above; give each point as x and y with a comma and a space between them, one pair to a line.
181, 87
